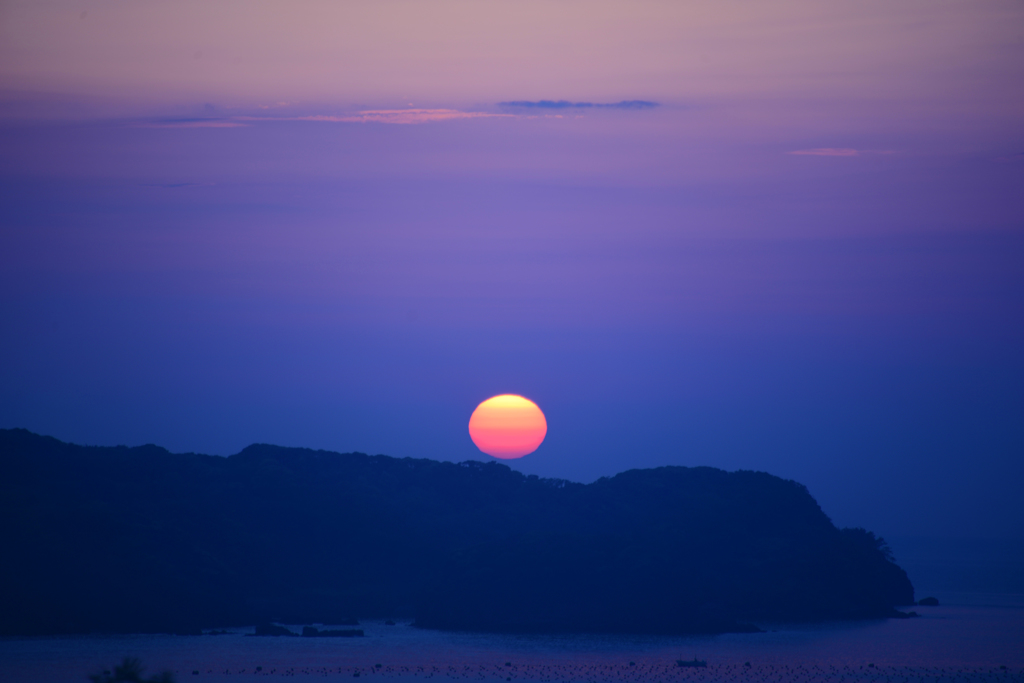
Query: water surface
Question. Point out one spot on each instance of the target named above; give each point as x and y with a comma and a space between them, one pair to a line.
955, 642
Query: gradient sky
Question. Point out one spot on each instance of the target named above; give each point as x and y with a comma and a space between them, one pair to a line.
316, 224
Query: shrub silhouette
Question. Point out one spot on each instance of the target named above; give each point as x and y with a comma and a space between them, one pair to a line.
130, 671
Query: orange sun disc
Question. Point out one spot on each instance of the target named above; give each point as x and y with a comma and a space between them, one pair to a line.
507, 426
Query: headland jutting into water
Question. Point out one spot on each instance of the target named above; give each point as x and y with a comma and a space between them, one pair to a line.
144, 540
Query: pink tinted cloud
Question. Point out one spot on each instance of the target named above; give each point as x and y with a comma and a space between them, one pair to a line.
391, 116
397, 116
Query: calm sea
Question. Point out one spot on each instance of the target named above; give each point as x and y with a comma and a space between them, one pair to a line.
965, 639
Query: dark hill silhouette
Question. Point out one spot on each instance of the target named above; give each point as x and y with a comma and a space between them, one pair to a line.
140, 539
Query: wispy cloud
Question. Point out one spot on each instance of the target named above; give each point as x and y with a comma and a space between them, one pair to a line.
190, 123
396, 116
565, 104
838, 152
827, 152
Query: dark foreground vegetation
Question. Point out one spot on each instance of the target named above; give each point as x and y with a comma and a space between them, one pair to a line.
130, 670
143, 540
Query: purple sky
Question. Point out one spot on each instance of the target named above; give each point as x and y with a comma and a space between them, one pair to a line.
315, 224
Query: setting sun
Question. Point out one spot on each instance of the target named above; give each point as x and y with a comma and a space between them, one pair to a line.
507, 426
